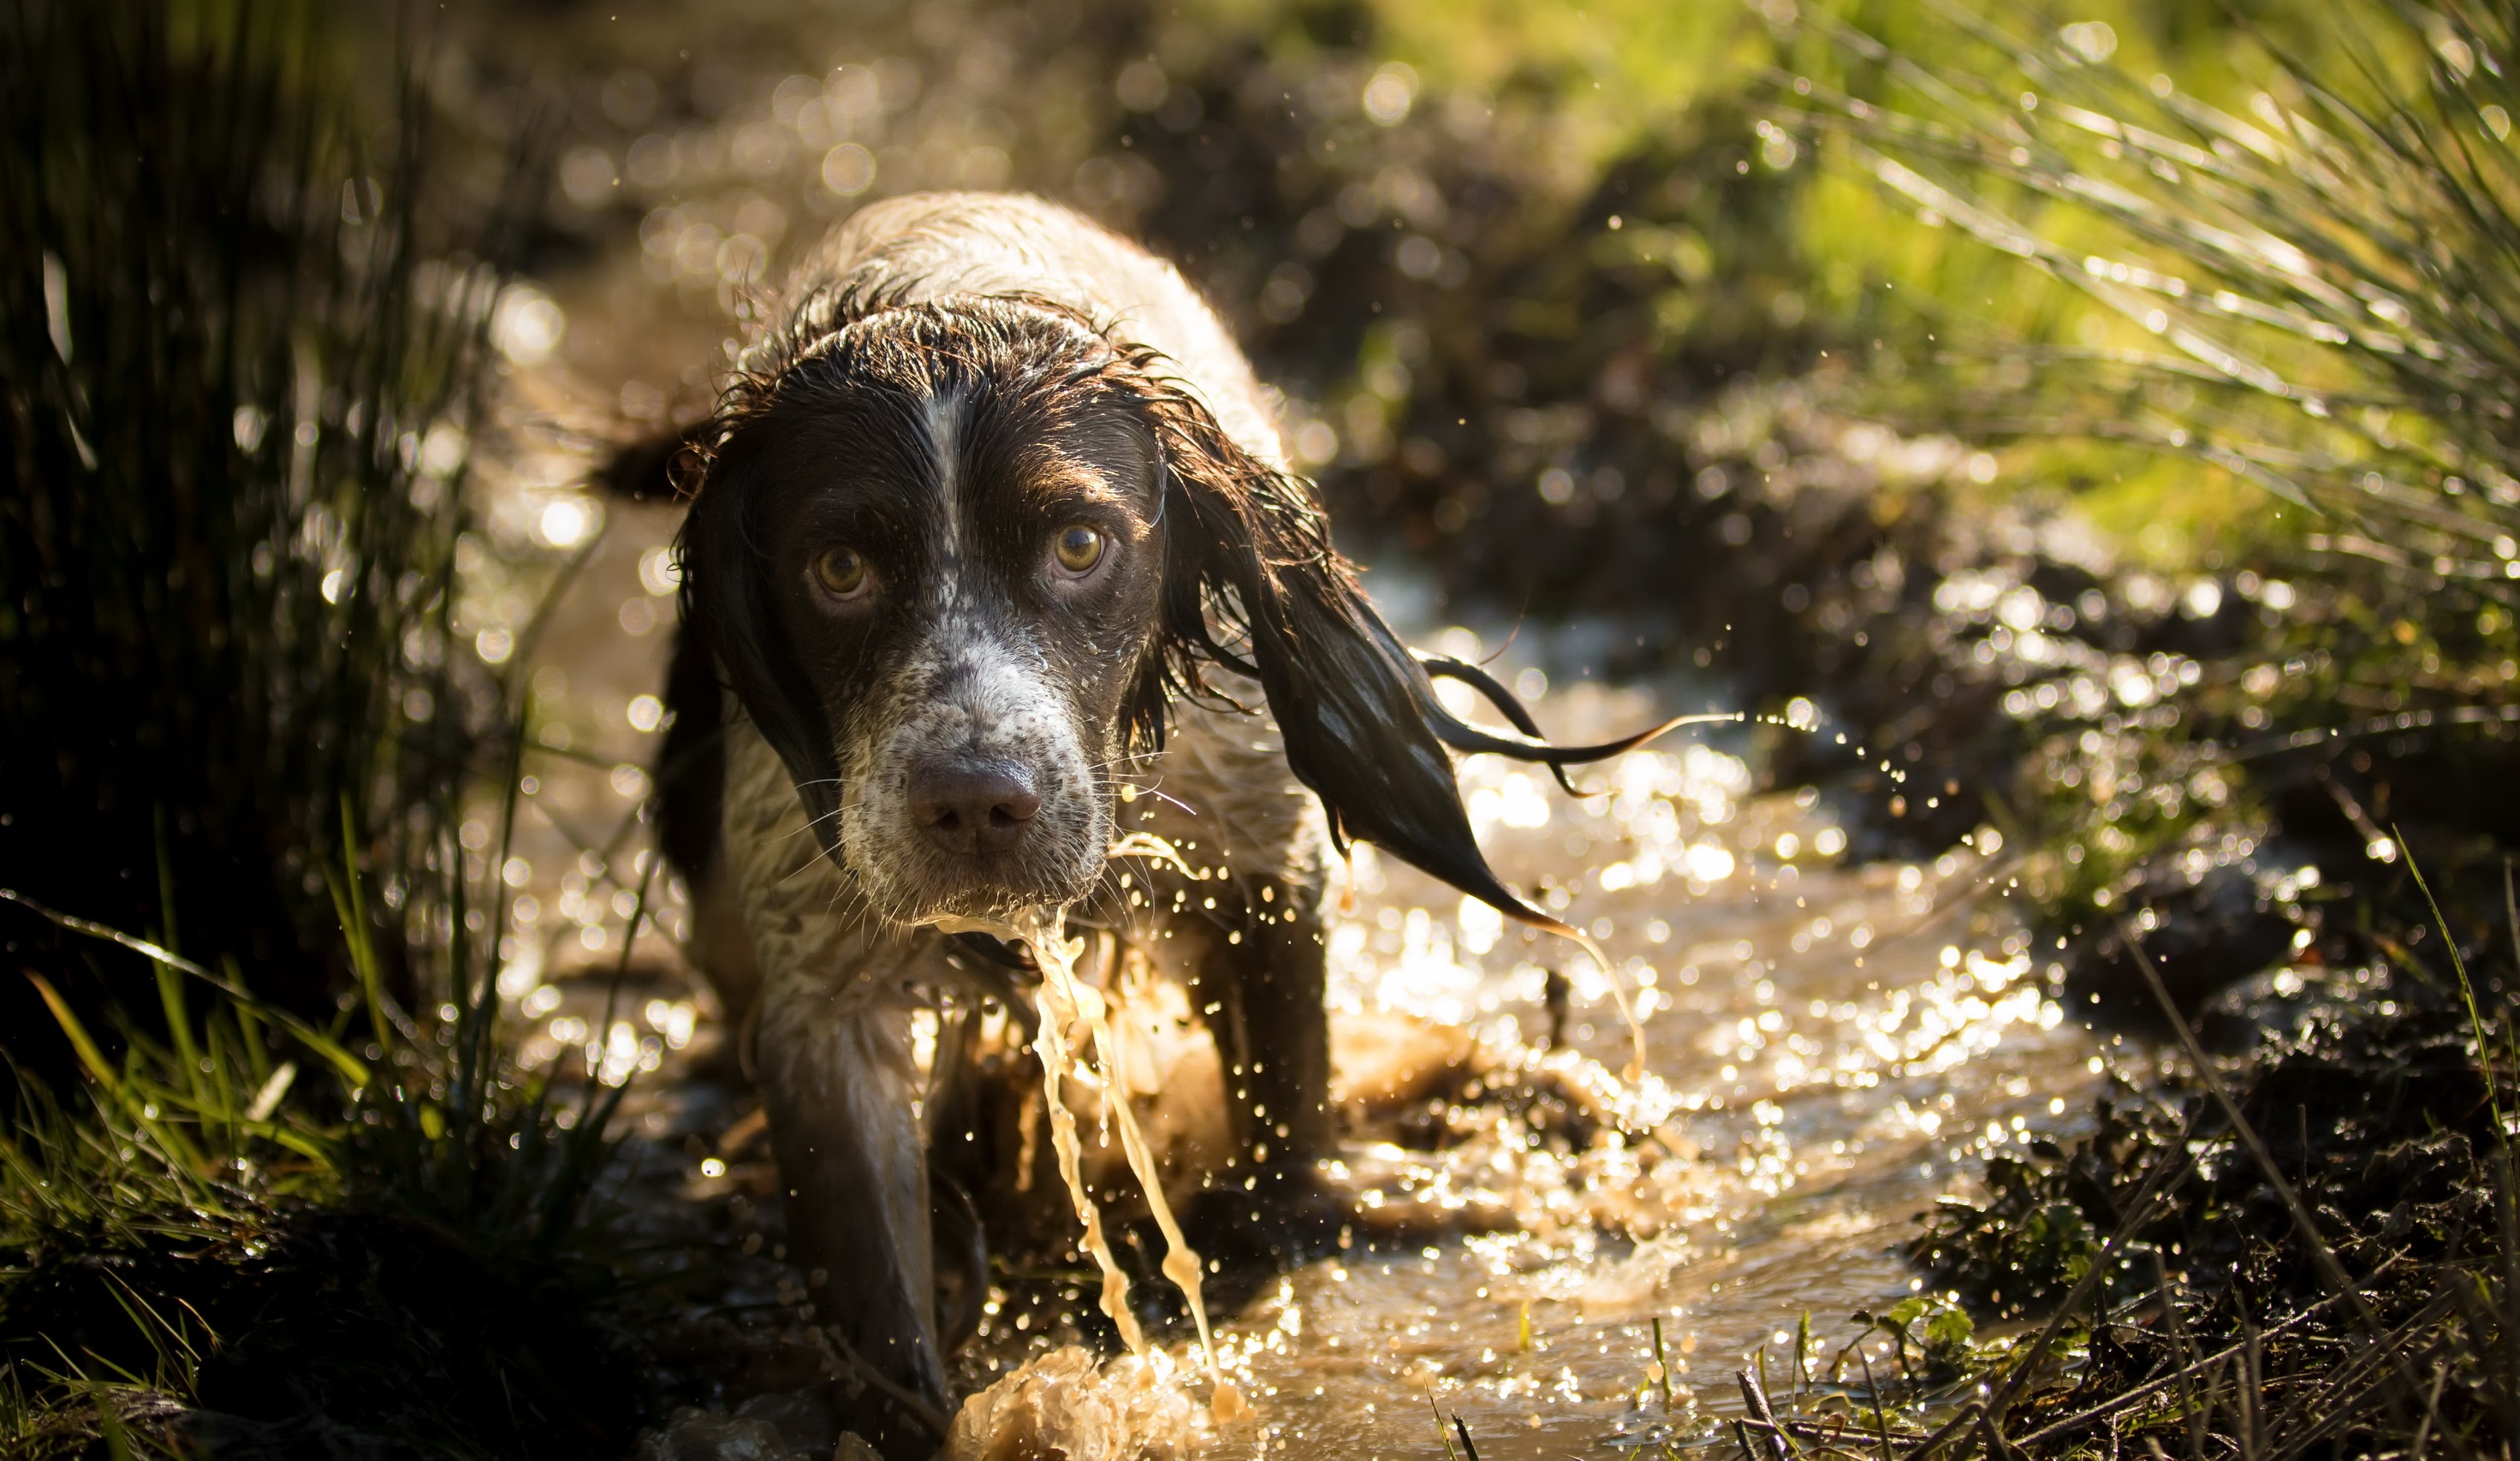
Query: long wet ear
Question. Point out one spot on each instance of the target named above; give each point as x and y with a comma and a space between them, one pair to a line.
725, 603
1254, 584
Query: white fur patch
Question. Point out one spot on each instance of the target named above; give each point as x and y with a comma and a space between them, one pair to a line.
944, 432
970, 694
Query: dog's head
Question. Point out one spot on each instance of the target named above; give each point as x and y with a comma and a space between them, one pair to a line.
954, 558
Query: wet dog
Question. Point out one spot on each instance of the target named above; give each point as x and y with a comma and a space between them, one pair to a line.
993, 558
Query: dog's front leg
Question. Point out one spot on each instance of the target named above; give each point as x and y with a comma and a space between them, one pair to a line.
1259, 978
841, 1088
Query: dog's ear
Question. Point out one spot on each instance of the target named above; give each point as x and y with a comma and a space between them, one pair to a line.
1253, 585
725, 603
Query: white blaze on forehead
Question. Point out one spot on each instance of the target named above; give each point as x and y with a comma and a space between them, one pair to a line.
975, 683
944, 430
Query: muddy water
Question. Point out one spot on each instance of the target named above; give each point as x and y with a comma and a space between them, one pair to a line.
1829, 1047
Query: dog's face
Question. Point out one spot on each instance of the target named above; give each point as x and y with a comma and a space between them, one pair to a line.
953, 557
960, 553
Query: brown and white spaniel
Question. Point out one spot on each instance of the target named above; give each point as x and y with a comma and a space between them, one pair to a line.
994, 557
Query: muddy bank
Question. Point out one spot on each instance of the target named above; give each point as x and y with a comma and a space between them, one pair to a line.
2311, 1271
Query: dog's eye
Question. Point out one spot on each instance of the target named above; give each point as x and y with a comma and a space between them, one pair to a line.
841, 571
1078, 548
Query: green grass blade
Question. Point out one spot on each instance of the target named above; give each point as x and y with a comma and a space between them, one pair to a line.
2466, 985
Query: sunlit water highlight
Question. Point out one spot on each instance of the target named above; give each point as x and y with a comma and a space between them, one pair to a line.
1829, 1050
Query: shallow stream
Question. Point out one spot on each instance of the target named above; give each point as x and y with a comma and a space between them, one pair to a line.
1829, 1049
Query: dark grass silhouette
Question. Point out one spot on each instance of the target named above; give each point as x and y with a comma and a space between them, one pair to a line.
234, 395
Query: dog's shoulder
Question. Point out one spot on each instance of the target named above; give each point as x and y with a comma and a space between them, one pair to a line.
939, 245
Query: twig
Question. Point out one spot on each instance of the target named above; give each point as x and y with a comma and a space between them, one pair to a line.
1872, 1393
2331, 1401
2252, 1396
1779, 1446
2190, 1367
1441, 1434
2441, 1376
2334, 1411
1836, 1425
2475, 1021
1815, 1437
2111, 1406
1958, 1423
1996, 1447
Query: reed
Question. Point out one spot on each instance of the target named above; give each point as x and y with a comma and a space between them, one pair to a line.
239, 364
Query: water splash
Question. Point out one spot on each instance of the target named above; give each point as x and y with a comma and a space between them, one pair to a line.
1063, 1405
1065, 999
1133, 1407
1061, 1004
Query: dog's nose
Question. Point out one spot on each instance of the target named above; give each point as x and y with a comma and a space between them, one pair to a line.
971, 807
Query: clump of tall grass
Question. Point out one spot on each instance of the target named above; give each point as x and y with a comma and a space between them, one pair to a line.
2313, 294
237, 372
2318, 296
302, 1197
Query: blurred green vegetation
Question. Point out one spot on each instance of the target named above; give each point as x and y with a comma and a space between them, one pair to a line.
1584, 108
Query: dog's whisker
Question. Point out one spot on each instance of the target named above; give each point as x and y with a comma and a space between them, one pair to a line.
818, 860
811, 823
